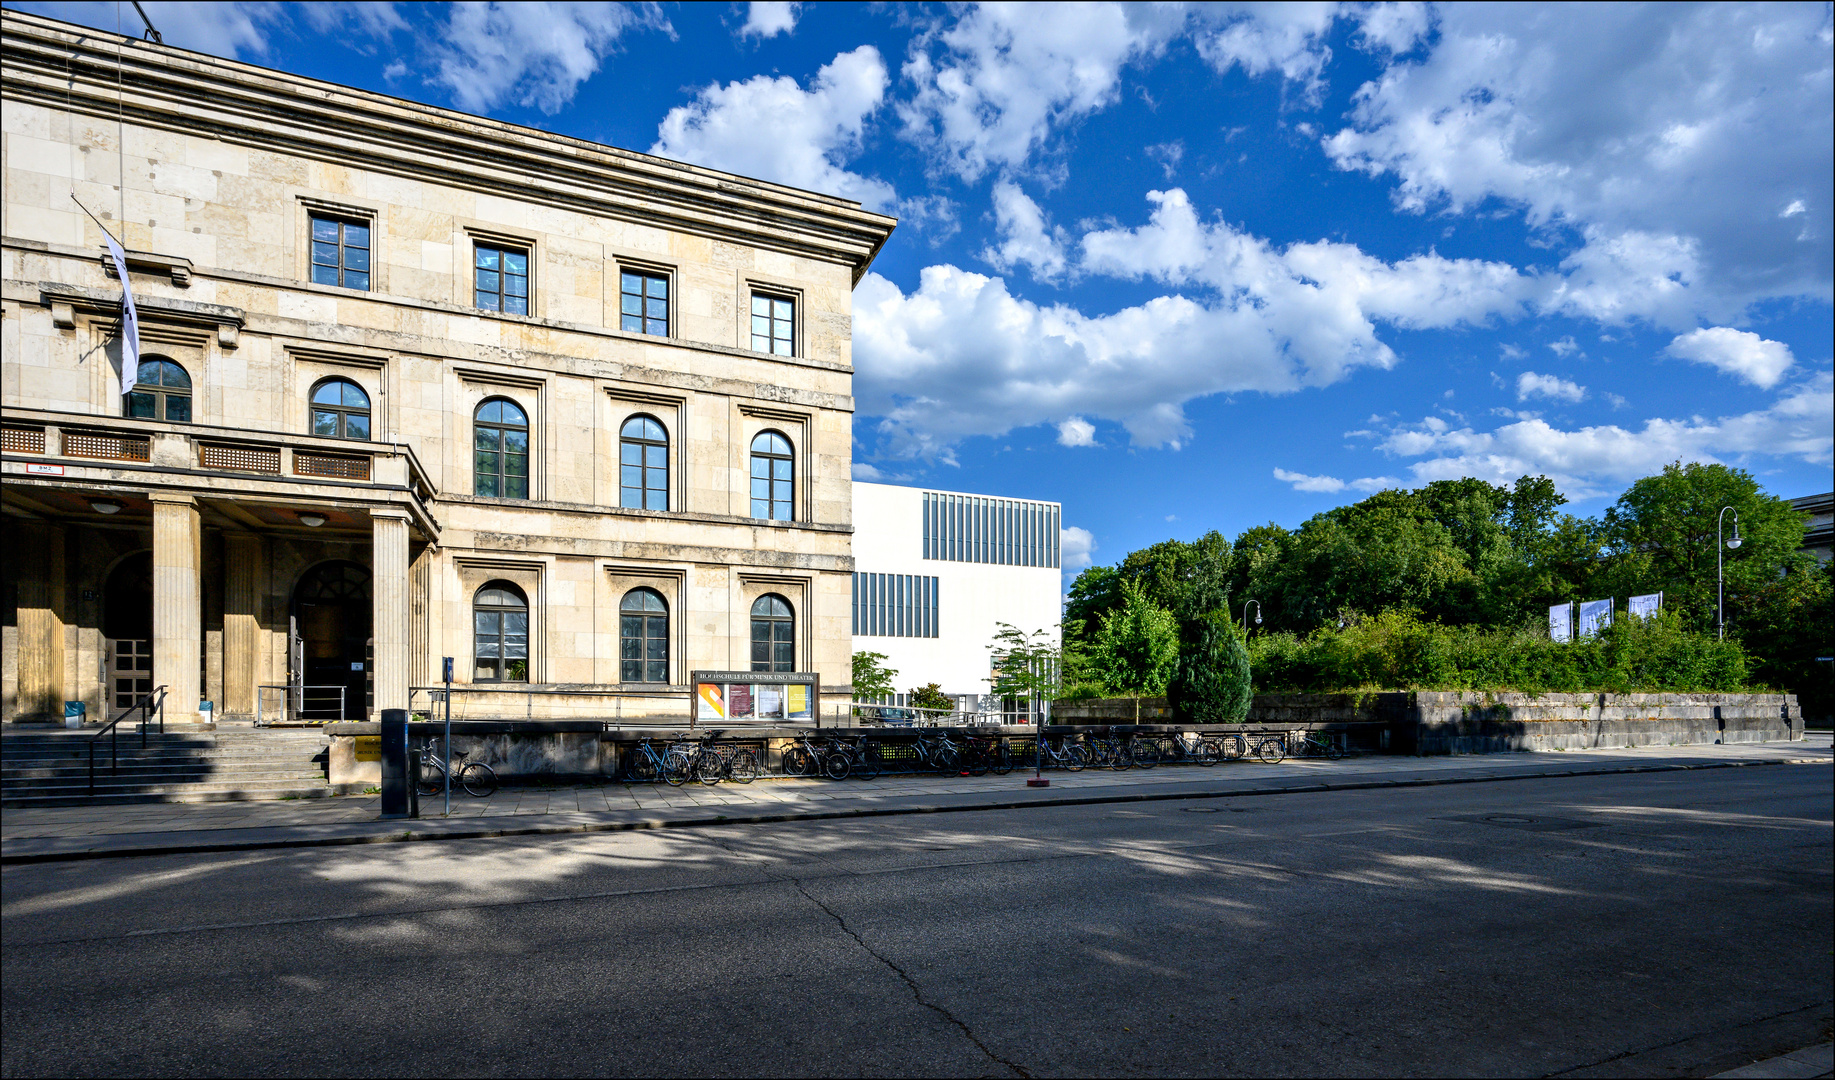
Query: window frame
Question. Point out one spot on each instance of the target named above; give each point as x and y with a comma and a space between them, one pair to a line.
770, 620
644, 444
753, 456
647, 274
503, 249
502, 428
502, 639
343, 220
774, 297
649, 619
160, 393
341, 411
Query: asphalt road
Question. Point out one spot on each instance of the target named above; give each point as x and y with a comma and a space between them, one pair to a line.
1667, 924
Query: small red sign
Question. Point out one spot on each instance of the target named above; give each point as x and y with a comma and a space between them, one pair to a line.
36, 469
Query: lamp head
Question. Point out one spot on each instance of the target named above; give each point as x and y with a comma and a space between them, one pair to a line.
105, 506
1733, 544
311, 520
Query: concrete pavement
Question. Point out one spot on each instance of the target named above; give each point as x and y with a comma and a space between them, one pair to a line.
57, 834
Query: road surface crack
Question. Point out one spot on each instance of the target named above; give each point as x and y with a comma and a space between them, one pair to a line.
916, 991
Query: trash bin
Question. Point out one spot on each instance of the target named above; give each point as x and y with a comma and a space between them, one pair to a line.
397, 780
73, 713
206, 712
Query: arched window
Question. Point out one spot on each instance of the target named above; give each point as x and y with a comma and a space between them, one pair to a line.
500, 450
773, 477
340, 409
643, 465
500, 629
773, 634
162, 391
643, 636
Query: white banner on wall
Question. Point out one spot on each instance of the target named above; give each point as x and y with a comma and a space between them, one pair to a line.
1643, 607
1595, 615
1561, 622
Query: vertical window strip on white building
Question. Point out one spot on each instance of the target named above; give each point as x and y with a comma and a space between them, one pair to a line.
895, 605
1007, 532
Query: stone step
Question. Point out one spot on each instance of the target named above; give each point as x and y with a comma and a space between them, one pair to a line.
51, 777
172, 754
186, 795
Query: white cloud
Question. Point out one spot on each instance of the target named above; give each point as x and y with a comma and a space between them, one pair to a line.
1529, 385
1168, 155
1593, 460
1564, 348
773, 129
534, 53
860, 470
1024, 238
1288, 38
1076, 431
352, 20
1075, 549
989, 89
1736, 352
1395, 28
1331, 485
769, 18
224, 29
1667, 135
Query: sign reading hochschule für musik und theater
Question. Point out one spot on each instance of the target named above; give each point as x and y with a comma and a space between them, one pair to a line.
761, 696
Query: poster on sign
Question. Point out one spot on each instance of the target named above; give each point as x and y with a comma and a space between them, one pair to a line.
739, 700
1595, 615
796, 702
770, 702
1561, 622
1643, 607
711, 703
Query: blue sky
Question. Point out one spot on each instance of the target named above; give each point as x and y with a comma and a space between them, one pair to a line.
1186, 268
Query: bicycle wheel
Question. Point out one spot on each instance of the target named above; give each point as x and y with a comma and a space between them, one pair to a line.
744, 768
866, 762
1271, 750
433, 779
1076, 758
676, 769
640, 767
798, 762
1145, 754
977, 761
836, 766
1333, 751
1207, 753
1001, 762
479, 779
946, 760
1233, 747
709, 767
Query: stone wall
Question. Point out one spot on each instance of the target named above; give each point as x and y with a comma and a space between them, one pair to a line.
1466, 722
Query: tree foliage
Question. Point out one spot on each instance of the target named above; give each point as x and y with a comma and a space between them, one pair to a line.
1137, 645
871, 678
1210, 682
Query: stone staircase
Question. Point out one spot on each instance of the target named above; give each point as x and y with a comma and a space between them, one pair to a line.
51, 767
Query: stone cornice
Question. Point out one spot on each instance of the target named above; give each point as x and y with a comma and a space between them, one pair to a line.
58, 65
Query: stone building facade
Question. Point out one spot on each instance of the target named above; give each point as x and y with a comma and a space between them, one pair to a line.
413, 384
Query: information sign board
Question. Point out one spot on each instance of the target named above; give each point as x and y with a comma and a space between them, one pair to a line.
1595, 615
1561, 622
756, 696
1643, 607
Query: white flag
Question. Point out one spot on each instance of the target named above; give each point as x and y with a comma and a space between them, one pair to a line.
1646, 606
130, 322
1561, 622
1595, 615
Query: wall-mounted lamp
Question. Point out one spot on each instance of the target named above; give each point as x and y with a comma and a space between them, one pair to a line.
105, 506
311, 520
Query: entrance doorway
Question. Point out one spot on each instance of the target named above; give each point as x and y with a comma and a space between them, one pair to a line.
331, 643
127, 623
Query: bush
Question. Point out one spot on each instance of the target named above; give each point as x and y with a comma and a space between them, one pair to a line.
1210, 684
930, 696
1396, 651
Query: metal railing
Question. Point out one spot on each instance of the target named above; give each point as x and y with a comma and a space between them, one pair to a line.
594, 710
150, 703
299, 710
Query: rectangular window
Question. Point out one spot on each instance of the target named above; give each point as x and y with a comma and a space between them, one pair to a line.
895, 605
340, 252
643, 303
773, 325
1006, 532
500, 278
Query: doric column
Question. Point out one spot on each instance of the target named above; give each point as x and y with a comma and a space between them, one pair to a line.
40, 570
245, 567
177, 609
389, 593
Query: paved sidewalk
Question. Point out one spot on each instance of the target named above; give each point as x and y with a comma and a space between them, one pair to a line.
1805, 1064
56, 834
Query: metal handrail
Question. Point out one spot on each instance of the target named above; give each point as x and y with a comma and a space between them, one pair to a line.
153, 701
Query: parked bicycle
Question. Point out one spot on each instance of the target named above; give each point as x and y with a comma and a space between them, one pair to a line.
477, 778
813, 757
1108, 752
1312, 744
1188, 748
988, 754
1143, 750
1066, 753
938, 752
644, 764
714, 762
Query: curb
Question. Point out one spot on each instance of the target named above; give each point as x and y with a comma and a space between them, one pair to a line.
409, 835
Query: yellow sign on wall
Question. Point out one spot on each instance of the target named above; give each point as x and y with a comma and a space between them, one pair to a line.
369, 748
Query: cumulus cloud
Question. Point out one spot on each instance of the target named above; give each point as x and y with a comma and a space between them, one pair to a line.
1331, 484
769, 18
773, 129
1288, 38
1668, 136
1075, 549
1591, 461
1736, 352
533, 53
1076, 431
1529, 385
1395, 28
1025, 240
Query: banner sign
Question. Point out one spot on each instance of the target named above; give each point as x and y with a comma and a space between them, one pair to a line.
1561, 622
755, 696
130, 321
1643, 607
1595, 615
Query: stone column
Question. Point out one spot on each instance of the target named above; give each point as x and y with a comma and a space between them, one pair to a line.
42, 588
178, 626
245, 567
389, 594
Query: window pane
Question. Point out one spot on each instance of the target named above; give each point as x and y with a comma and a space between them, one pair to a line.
761, 325
658, 327
324, 230
353, 395
631, 498
354, 280
761, 489
515, 464
656, 646
656, 309
760, 306
484, 480
487, 258
324, 423
516, 305
761, 344
178, 407
326, 254
485, 670
515, 286
632, 323
141, 405
356, 259
487, 625
656, 457
356, 426
516, 487
630, 453
487, 280
761, 508
324, 275
515, 442
630, 632
656, 499
516, 262
780, 309
485, 300
631, 283
780, 469
356, 235
631, 476
658, 286
781, 347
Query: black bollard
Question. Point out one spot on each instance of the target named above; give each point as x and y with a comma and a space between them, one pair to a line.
396, 780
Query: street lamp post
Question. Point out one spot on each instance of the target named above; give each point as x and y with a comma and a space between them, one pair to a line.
1720, 567
1245, 616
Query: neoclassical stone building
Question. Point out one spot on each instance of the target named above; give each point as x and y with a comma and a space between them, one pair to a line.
413, 384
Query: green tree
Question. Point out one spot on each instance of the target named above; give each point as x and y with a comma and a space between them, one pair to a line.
871, 678
1162, 572
1027, 666
1211, 681
1137, 645
930, 696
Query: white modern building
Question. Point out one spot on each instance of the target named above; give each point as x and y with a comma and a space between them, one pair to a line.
935, 572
